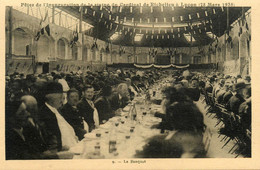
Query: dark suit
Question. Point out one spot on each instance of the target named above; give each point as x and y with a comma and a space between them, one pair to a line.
16, 147
193, 93
104, 109
86, 111
116, 102
73, 117
234, 103
209, 88
226, 97
52, 134
30, 146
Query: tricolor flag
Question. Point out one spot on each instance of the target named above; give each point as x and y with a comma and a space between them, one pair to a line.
74, 38
44, 27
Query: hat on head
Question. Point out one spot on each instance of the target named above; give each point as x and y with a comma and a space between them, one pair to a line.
227, 76
53, 87
248, 78
239, 86
135, 78
212, 79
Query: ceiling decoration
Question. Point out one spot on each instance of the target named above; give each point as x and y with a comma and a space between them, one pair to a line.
161, 26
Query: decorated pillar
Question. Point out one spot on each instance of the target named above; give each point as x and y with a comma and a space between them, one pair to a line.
180, 58
192, 60
55, 49
173, 59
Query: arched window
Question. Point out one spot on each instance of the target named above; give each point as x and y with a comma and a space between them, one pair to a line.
61, 49
21, 42
43, 49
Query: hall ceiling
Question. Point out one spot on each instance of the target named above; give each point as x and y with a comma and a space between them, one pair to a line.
161, 26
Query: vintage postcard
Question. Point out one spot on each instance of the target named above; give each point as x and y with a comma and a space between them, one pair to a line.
129, 84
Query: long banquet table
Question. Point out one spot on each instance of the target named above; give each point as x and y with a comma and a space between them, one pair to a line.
121, 136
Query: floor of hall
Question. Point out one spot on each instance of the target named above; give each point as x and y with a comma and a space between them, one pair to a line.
215, 148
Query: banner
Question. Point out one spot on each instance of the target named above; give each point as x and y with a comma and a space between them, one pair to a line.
160, 66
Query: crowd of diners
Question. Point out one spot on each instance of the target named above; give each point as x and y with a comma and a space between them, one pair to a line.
46, 114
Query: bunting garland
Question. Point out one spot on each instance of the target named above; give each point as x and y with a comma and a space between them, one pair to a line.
112, 21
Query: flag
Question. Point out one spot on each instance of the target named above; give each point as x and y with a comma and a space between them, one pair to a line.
43, 27
247, 26
74, 38
48, 30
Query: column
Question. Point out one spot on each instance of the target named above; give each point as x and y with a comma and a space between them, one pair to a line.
192, 60
173, 59
10, 50
81, 51
180, 58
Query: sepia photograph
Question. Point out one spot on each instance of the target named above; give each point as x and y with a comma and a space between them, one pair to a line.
127, 81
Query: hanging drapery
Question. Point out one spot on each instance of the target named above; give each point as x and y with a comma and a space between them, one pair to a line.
160, 66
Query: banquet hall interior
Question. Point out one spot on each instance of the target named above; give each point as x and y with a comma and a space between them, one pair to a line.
127, 81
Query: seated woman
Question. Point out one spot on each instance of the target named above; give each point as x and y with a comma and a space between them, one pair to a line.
103, 105
185, 138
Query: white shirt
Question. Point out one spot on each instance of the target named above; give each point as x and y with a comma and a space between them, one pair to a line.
68, 136
95, 113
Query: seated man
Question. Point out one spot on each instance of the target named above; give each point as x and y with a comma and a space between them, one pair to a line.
24, 137
103, 105
16, 144
245, 108
70, 112
134, 87
185, 140
59, 133
209, 85
120, 98
87, 109
237, 99
193, 90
